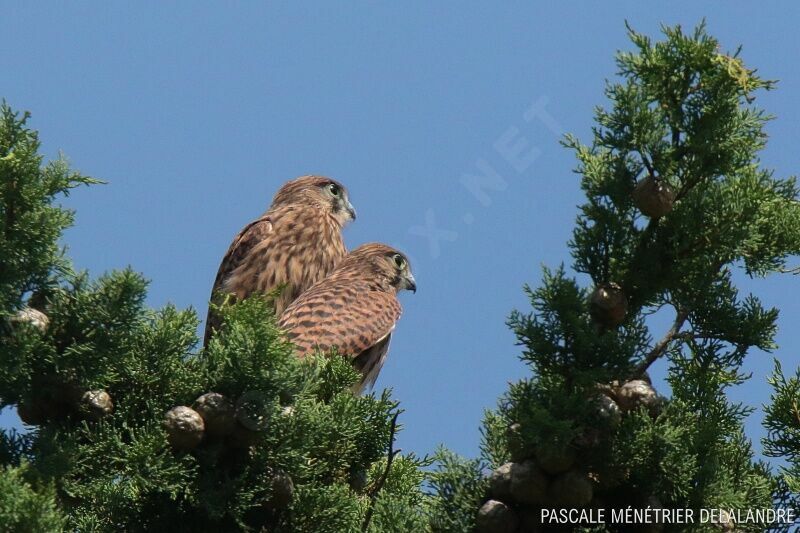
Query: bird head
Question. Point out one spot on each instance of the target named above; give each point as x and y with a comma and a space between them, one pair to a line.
389, 264
403, 278
320, 192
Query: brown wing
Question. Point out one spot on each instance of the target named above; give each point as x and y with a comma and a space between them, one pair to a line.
252, 234
347, 316
370, 362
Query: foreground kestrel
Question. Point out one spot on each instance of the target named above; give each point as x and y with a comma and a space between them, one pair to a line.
294, 244
354, 309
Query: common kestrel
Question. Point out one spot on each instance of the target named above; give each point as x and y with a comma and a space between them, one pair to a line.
294, 244
354, 309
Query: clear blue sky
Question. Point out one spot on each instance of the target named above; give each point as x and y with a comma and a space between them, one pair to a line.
196, 113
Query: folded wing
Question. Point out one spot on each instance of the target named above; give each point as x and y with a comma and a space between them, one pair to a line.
350, 317
257, 232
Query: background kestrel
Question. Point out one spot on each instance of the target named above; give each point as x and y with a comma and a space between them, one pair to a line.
354, 309
294, 244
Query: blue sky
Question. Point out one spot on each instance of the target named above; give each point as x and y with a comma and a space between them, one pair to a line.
195, 113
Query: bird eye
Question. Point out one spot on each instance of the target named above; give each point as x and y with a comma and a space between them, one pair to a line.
399, 261
335, 189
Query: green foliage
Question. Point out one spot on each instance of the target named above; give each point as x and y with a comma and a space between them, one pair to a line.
681, 115
29, 224
458, 486
313, 457
316, 458
403, 507
782, 420
25, 508
560, 341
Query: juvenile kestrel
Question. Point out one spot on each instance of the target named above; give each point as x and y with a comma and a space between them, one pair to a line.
354, 309
295, 243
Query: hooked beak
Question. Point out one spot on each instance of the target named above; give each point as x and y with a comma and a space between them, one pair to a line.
411, 283
351, 210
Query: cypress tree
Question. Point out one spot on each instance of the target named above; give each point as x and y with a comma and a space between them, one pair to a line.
675, 202
130, 426
133, 428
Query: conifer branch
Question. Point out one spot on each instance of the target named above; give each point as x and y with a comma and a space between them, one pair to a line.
647, 164
373, 495
662, 345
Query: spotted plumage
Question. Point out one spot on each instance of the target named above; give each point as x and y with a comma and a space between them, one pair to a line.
294, 244
354, 309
